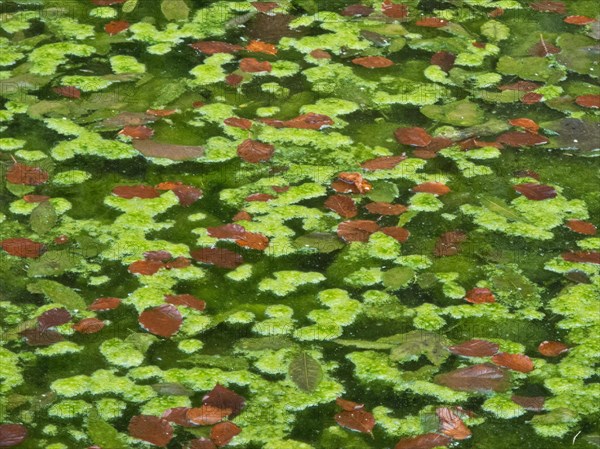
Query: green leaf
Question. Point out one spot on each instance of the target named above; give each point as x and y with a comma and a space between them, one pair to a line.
129, 6
499, 206
264, 343
43, 217
383, 191
415, 343
225, 362
306, 372
175, 9
398, 277
459, 113
557, 416
58, 293
53, 263
364, 344
321, 241
103, 434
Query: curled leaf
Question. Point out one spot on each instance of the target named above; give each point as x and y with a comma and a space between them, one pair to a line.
451, 425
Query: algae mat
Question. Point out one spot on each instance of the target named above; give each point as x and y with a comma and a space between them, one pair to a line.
299, 224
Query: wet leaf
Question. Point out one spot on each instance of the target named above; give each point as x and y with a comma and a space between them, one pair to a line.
36, 198
552, 348
431, 22
43, 218
526, 123
200, 443
480, 295
103, 434
342, 205
543, 48
308, 121
425, 441
517, 362
383, 162
150, 148
396, 232
582, 256
357, 230
475, 348
206, 415
238, 122
152, 429
522, 86
415, 343
536, 192
116, 26
128, 119
348, 405
451, 425
12, 434
588, 101
521, 139
222, 433
381, 208
578, 20
67, 91
163, 320
137, 132
213, 47
38, 337
358, 420
261, 47
53, 317
531, 98
171, 389
549, 6
531, 403
187, 195
253, 240
22, 247
89, 326
26, 175
253, 65
443, 59
254, 151
320, 54
581, 227
224, 398
398, 277
265, 6
227, 231
305, 372
221, 257
356, 181
448, 244
417, 137
356, 10
160, 255
373, 62
259, 197
394, 10
145, 267
483, 377
140, 191
437, 188
175, 9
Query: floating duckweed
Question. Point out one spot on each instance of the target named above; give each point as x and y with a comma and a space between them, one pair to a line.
157, 406
31, 155
104, 12
190, 346
22, 207
428, 317
241, 273
425, 202
109, 408
286, 282
503, 407
69, 408
126, 64
120, 353
9, 144
60, 348
46, 59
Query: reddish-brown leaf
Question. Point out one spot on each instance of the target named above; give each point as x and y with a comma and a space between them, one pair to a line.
480, 295
475, 348
116, 26
261, 47
383, 162
35, 198
543, 48
222, 433
517, 362
161, 112
431, 22
253, 240
310, 120
549, 6
152, 429
102, 304
373, 62
359, 420
179, 262
187, 195
224, 398
531, 98
145, 267
416, 137
164, 320
242, 216
67, 91
12, 434
200, 443
356, 10
26, 175
482, 377
186, 300
357, 230
265, 6
437, 188
212, 47
238, 122
253, 65
89, 326
220, 257
578, 20
522, 86
207, 415
342, 205
160, 255
177, 415
22, 247
128, 119
38, 337
526, 123
451, 425
425, 441
61, 239
582, 256
497, 12
477, 44
521, 139
469, 144
226, 231
531, 403
53, 317
254, 151
280, 189
552, 348
234, 79
448, 244
381, 208
581, 227
536, 192
137, 132
356, 180
526, 174
396, 232
444, 59
588, 101
438, 143
423, 154
151, 148
394, 10
348, 405
140, 191
259, 197
320, 54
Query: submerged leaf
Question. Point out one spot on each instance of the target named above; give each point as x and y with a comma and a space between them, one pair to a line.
150, 148
254, 151
517, 362
415, 343
536, 192
305, 371
12, 434
342, 205
532, 403
475, 348
357, 230
221, 257
43, 217
224, 398
222, 433
425, 441
22, 247
53, 317
26, 175
417, 137
359, 420
152, 429
483, 377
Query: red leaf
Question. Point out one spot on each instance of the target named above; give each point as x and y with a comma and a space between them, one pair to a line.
552, 348
522, 86
89, 326
451, 425
443, 59
179, 262
158, 255
186, 300
53, 317
254, 151
320, 54
549, 6
581, 227
396, 232
222, 433
309, 121
238, 122
221, 257
356, 231
526, 123
383, 162
437, 188
394, 10
177, 415
161, 112
253, 65
480, 296
261, 47
373, 62
233, 79
253, 240
140, 191
448, 244
588, 101
531, 403
212, 47
242, 216
224, 398
356, 180
102, 304
207, 415
26, 174
521, 139
116, 26
356, 10
425, 441
359, 420
431, 22
475, 348
22, 247
536, 192
482, 377
348, 405
265, 6
38, 337
227, 231
12, 434
67, 91
187, 195
531, 98
416, 137
200, 443
145, 267
163, 320
259, 197
152, 429
578, 20
381, 208
517, 362
35, 198
137, 132
582, 256
342, 205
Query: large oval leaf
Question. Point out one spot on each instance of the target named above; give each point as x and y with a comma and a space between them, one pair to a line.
305, 371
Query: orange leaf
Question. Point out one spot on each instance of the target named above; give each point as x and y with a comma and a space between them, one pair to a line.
383, 162
526, 123
342, 205
222, 433
254, 151
253, 65
394, 10
356, 180
116, 26
475, 348
89, 326
451, 425
186, 300
521, 139
212, 47
26, 175
588, 101
582, 256
431, 22
161, 112
552, 348
516, 362
253, 240
22, 247
437, 188
140, 191
480, 296
348, 405
237, 122
220, 257
261, 47
373, 62
581, 227
381, 208
152, 429
67, 91
145, 267
416, 137
578, 20
531, 98
396, 232
425, 441
101, 304
137, 132
163, 320
320, 54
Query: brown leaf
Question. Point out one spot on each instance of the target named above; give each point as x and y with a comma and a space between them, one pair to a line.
309, 120
238, 122
581, 227
128, 119
145, 267
224, 398
348, 405
164, 320
588, 101
582, 256
483, 377
39, 337
177, 415
359, 420
431, 22
526, 123
179, 262
222, 433
396, 232
150, 148
116, 26
12, 434
416, 136
67, 91
89, 326
342, 205
212, 47
475, 348
357, 230
23, 247
102, 304
522, 86
383, 162
253, 65
356, 10
549, 6
261, 47
526, 174
373, 62
543, 48
536, 192
320, 54
220, 257
227, 231
137, 132
26, 175
517, 362
200, 443
356, 180
497, 12
254, 151
187, 195
425, 441
480, 295
451, 425
531, 98
253, 240
152, 429
382, 208
207, 415
521, 139
394, 10
242, 216
531, 403
448, 244
158, 255
140, 191
186, 300
552, 348
53, 317
259, 197
161, 112
265, 6
35, 198
233, 79
443, 59
437, 188
578, 20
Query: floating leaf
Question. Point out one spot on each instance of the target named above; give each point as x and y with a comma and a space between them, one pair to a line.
536, 192
36, 198
397, 277
356, 10
163, 320
12, 434
220, 257
396, 232
381, 208
588, 101
357, 230
350, 182
89, 326
383, 162
152, 429
531, 403
578, 20
201, 443
43, 217
581, 227
253, 240
483, 377
116, 26
145, 267
22, 247
348, 405
373, 62
517, 362
526, 123
137, 132
261, 47
227, 231
253, 65
359, 420
26, 175
394, 10
67, 91
254, 151
480, 295
206, 415
305, 371
415, 343
224, 398
238, 122
552, 348
222, 433
342, 205
187, 195
443, 59
448, 244
150, 148
38, 337
425, 441
475, 348
212, 47
521, 139
431, 22
437, 188
417, 137
451, 425
53, 317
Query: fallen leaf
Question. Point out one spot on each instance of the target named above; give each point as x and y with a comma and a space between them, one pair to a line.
222, 433
261, 47
179, 262
200, 443
238, 122
253, 65
161, 255
522, 86
416, 137
67, 91
342, 205
396, 232
475, 348
480, 295
140, 191
451, 425
224, 398
137, 132
309, 121
448, 244
517, 362
305, 372
259, 197
12, 434
187, 195
552, 348
483, 377
186, 300
431, 22
543, 48
102, 304
357, 230
531, 98
356, 180
381, 208
242, 216
531, 403
220, 257
536, 192
150, 148
116, 26
161, 112
53, 317
26, 175
497, 12
425, 441
265, 6
233, 79
359, 420
23, 247
164, 320
35, 198
443, 59
521, 139
145, 267
582, 256
207, 415
212, 47
394, 10
320, 54
588, 101
526, 123
253, 240
39, 337
89, 326
383, 162
177, 415
578, 20
373, 62
152, 429
356, 10
348, 405
581, 227
549, 6
437, 188
226, 231
254, 151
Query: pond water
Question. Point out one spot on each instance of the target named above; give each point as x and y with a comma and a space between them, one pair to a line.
217, 219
